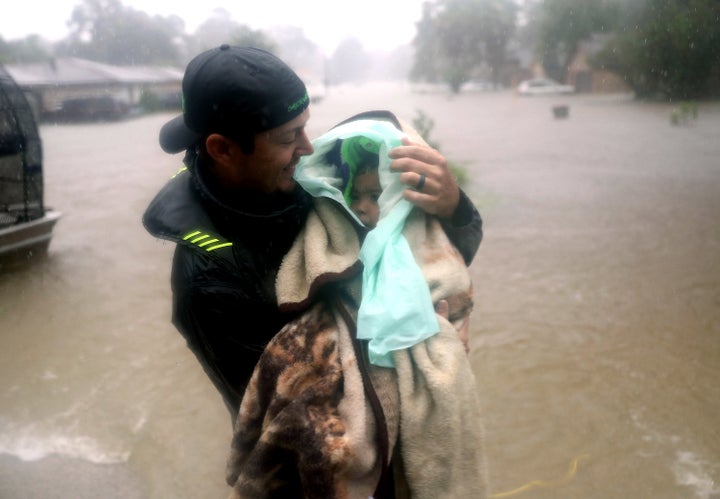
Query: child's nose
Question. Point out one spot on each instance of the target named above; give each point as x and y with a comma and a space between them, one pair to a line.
365, 206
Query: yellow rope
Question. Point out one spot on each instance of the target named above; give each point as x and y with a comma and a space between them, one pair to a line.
543, 483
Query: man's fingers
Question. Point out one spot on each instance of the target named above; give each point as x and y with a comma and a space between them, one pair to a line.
426, 202
406, 157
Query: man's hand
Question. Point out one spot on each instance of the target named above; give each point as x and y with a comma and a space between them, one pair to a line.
442, 309
438, 194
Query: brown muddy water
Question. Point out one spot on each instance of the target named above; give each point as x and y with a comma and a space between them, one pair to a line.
596, 332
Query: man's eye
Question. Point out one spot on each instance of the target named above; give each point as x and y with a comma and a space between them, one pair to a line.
287, 139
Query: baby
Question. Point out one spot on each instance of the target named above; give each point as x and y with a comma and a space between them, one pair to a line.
358, 166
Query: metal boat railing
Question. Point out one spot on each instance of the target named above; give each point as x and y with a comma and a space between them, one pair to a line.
21, 175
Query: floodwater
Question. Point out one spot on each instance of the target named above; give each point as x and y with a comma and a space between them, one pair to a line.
596, 332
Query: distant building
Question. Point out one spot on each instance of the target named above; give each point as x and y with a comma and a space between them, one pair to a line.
587, 79
72, 88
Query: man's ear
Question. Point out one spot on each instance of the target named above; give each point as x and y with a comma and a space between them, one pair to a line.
221, 149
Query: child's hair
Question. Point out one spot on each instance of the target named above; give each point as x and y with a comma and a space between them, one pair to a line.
353, 156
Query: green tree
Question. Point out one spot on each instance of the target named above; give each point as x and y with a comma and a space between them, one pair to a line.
302, 54
562, 24
668, 49
32, 48
220, 28
455, 37
298, 51
348, 63
425, 43
106, 31
499, 26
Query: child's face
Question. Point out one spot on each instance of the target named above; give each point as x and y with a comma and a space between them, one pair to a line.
364, 198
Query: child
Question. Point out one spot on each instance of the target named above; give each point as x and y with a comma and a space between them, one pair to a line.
364, 197
359, 158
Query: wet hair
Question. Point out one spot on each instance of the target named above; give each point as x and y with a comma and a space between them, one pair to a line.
334, 156
369, 164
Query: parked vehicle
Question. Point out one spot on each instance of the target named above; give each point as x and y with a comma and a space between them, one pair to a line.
543, 86
477, 85
25, 223
102, 108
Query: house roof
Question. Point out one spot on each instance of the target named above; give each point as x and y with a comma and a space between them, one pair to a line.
74, 71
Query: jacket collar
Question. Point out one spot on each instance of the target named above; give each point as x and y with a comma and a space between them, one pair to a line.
185, 205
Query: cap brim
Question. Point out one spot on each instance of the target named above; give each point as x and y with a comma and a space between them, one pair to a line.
176, 137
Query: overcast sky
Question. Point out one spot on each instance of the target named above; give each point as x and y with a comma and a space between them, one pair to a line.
377, 23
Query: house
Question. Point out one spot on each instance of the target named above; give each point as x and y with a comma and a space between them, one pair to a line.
73, 88
587, 79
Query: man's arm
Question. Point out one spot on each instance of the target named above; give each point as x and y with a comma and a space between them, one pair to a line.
464, 228
433, 188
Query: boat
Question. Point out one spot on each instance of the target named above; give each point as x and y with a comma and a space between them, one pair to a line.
26, 224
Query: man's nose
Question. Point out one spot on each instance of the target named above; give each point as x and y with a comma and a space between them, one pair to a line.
305, 147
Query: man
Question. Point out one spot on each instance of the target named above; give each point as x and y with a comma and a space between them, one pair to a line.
235, 210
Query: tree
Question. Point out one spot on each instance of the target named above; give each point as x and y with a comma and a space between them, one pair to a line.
106, 31
668, 49
455, 37
32, 48
563, 24
425, 43
348, 63
301, 54
220, 28
459, 27
499, 18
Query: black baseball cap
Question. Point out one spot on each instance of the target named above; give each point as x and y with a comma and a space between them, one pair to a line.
234, 91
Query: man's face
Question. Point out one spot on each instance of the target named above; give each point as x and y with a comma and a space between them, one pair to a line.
270, 168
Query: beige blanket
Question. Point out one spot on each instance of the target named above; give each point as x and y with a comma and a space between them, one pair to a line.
318, 421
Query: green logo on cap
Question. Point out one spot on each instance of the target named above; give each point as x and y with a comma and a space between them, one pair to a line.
298, 103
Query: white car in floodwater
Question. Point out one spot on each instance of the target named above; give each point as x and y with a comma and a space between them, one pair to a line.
543, 86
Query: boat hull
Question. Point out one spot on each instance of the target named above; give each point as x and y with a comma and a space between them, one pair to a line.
24, 241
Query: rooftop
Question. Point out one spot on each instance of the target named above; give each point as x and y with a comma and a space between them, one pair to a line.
75, 71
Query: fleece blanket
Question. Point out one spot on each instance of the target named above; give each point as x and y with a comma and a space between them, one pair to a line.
320, 421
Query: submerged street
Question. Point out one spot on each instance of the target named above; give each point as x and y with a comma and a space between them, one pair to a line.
595, 334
